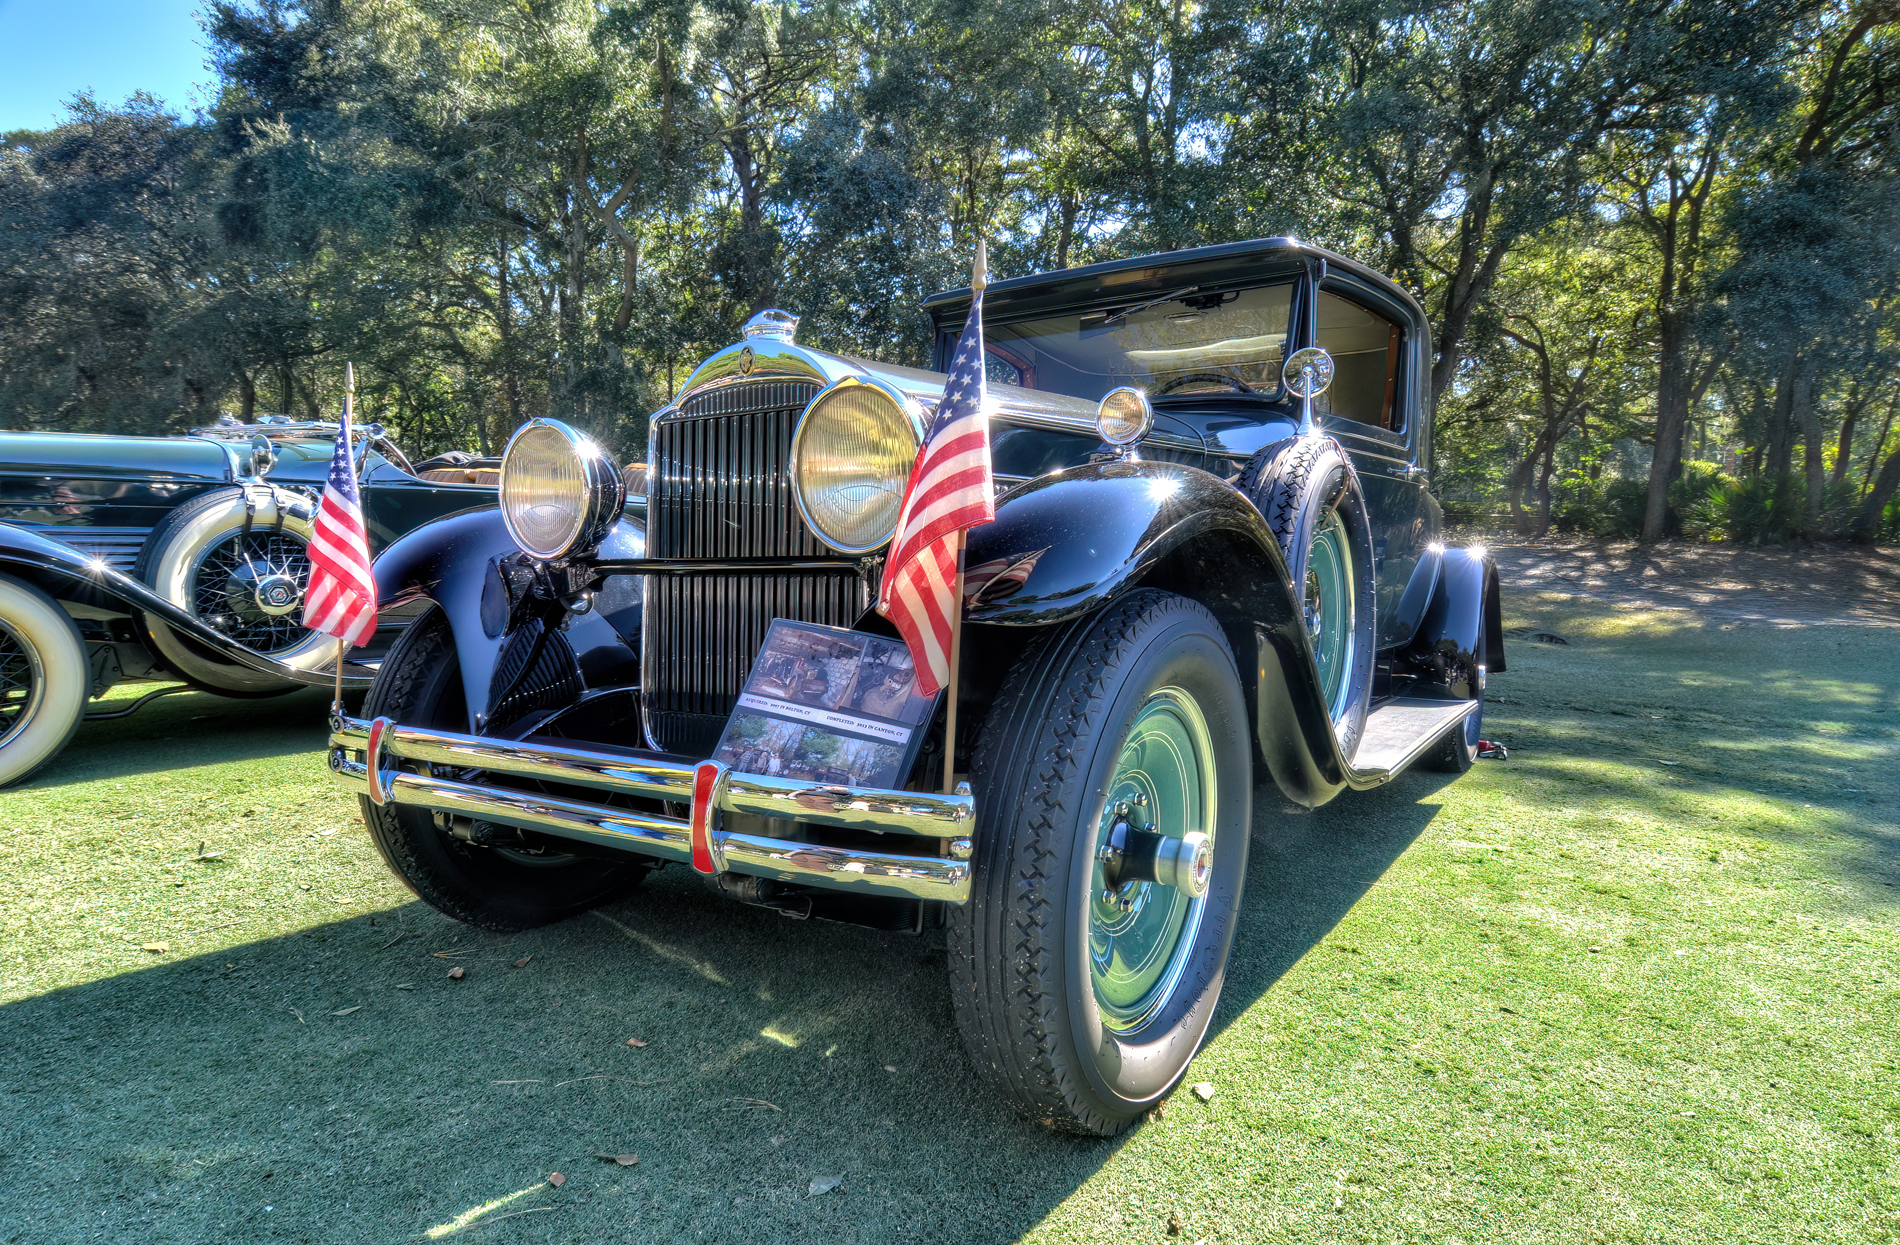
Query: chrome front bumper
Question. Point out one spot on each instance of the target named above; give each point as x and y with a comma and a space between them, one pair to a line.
366, 755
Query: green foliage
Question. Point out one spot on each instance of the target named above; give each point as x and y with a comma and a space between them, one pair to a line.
1676, 225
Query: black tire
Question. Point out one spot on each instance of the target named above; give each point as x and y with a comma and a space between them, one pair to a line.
45, 679
184, 560
420, 684
1307, 490
1458, 750
1026, 1001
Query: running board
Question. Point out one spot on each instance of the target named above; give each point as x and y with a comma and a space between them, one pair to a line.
1401, 730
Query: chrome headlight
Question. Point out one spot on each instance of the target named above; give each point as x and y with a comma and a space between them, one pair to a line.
560, 492
851, 457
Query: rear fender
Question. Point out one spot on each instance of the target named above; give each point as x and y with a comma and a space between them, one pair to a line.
457, 563
1068, 543
1465, 605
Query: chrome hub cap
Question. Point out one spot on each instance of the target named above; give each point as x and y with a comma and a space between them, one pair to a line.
277, 595
252, 588
1141, 932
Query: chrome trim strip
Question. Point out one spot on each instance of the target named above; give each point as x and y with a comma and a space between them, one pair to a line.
853, 808
667, 838
900, 812
835, 868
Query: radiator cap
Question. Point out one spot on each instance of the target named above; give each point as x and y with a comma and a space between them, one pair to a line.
773, 323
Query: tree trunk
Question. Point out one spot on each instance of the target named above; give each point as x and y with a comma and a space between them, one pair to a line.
1814, 453
505, 331
1867, 523
1672, 415
247, 396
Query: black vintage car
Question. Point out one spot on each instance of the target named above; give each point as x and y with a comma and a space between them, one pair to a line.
128, 558
1192, 579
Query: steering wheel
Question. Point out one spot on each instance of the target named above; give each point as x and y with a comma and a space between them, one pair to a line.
1220, 378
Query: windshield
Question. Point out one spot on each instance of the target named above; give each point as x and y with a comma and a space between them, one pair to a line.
1183, 342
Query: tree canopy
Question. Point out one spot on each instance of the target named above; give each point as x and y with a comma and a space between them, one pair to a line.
1657, 238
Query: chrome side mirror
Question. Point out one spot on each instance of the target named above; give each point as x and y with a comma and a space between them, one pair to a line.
263, 455
1307, 373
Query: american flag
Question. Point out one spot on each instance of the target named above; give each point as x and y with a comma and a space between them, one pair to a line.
949, 491
342, 597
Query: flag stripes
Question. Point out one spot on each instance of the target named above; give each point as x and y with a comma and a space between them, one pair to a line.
341, 600
950, 490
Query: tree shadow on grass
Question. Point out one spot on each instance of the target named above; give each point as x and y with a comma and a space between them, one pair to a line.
186, 730
337, 1085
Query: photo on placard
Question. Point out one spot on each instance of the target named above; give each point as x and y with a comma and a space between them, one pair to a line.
886, 683
808, 667
756, 744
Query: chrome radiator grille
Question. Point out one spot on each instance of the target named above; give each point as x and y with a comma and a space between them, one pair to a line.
721, 488
722, 484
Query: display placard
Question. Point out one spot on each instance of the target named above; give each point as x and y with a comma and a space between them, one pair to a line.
826, 705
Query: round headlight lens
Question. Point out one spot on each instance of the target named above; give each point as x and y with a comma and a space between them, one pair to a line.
560, 491
1124, 416
851, 456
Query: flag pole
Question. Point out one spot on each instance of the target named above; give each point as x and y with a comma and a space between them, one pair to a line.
979, 278
349, 411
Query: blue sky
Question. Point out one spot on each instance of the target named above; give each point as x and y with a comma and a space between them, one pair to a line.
52, 49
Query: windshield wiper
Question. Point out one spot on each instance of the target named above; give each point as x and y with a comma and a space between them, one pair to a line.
1125, 312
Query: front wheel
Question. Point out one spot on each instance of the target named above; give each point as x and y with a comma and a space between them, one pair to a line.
511, 884
44, 679
1114, 790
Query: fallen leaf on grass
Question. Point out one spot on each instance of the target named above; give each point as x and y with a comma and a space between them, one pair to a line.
346, 1011
1595, 950
523, 961
157, 948
1204, 1090
457, 973
635, 1042
823, 1184
1159, 1112
754, 1104
1174, 1221
890, 1067
625, 1160
557, 1180
407, 985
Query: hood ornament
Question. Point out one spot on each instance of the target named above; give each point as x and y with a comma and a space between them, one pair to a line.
772, 323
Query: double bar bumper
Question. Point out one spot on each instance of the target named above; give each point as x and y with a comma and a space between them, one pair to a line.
366, 756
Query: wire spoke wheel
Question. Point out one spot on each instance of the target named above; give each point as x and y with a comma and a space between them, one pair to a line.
1140, 932
251, 587
20, 682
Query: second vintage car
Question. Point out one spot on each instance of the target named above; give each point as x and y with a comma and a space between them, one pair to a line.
1214, 556
128, 558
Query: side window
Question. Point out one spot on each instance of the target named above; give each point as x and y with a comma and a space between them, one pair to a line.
1004, 366
1365, 349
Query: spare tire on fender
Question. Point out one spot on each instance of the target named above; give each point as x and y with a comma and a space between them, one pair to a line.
238, 560
1309, 494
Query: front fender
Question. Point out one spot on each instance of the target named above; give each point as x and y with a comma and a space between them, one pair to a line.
1068, 543
455, 563
1072, 541
69, 575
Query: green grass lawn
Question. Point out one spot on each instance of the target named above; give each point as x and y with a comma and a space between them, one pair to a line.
1638, 983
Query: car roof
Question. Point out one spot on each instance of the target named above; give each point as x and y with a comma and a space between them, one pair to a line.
1225, 265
